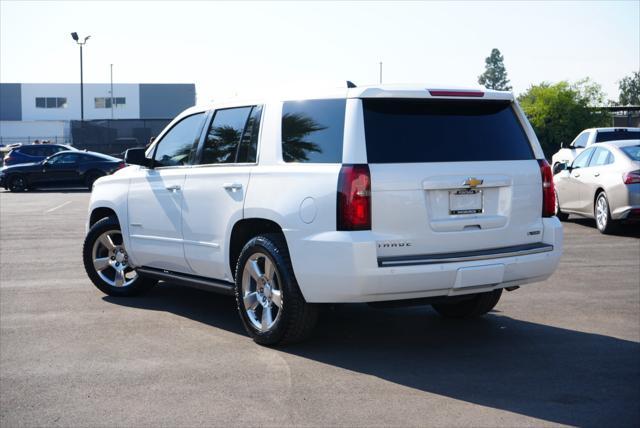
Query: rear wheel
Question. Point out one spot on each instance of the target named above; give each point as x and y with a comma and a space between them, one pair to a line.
476, 306
107, 262
270, 304
17, 183
602, 214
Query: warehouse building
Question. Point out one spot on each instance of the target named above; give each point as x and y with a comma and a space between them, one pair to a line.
51, 111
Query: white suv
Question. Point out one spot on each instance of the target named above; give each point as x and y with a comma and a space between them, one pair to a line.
381, 194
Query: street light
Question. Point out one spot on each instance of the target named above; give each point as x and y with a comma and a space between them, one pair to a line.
75, 37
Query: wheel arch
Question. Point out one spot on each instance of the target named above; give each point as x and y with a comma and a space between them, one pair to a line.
595, 198
99, 213
245, 229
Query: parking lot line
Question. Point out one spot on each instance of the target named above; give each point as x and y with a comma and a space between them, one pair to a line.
58, 207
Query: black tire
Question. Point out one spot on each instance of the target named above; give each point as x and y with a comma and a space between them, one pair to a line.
18, 183
295, 318
475, 307
605, 224
136, 287
561, 215
91, 178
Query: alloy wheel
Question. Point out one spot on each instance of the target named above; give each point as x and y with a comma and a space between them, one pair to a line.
111, 261
602, 212
261, 292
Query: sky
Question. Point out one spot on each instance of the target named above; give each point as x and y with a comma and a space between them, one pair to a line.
250, 48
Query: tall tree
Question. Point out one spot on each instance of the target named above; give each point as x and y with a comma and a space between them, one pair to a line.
558, 112
495, 75
630, 89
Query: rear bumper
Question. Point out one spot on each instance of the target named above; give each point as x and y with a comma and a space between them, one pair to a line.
338, 267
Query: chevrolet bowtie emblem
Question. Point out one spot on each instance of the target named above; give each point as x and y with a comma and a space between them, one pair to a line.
473, 182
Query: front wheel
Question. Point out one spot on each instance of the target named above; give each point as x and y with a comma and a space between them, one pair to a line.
107, 262
270, 304
476, 306
17, 183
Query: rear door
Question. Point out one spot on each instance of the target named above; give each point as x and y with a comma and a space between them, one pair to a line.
216, 186
450, 176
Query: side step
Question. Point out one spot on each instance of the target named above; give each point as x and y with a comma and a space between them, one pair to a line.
208, 284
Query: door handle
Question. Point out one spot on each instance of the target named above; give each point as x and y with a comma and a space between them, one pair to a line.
596, 174
173, 188
577, 174
232, 186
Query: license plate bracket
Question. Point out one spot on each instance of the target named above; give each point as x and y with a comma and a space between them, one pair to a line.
465, 201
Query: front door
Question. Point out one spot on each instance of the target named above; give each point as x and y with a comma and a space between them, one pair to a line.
59, 170
215, 189
156, 195
573, 186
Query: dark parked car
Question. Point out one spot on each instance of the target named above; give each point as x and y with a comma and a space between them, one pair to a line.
64, 169
33, 153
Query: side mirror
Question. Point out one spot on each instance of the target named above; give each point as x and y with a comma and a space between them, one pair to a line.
137, 157
559, 167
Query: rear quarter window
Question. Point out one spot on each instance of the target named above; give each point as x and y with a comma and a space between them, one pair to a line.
313, 131
407, 131
622, 134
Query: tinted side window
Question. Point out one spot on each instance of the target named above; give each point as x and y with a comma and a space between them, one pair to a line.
581, 140
29, 150
601, 157
409, 131
312, 131
177, 145
247, 153
583, 159
64, 158
223, 137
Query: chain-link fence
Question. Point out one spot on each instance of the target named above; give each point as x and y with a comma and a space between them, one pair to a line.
113, 137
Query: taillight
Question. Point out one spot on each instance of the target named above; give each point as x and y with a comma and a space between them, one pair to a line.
354, 198
121, 165
454, 93
548, 190
632, 177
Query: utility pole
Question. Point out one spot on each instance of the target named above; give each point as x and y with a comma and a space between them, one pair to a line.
381, 72
111, 91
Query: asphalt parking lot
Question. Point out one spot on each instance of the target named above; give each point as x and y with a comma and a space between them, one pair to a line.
562, 352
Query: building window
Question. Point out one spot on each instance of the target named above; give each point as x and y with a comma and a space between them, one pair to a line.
105, 102
51, 102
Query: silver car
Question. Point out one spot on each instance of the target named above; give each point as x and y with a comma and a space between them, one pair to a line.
602, 182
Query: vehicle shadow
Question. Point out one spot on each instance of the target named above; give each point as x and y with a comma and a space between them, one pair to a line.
546, 372
627, 229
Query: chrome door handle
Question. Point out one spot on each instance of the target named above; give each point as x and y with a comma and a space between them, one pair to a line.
576, 175
232, 186
596, 174
173, 188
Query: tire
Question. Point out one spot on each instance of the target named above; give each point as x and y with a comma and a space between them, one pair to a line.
17, 183
602, 214
475, 307
91, 178
104, 244
271, 287
561, 216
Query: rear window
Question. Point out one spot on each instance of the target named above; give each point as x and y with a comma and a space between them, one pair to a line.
620, 134
632, 151
405, 131
312, 131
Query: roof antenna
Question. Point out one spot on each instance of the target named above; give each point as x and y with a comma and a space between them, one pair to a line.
350, 84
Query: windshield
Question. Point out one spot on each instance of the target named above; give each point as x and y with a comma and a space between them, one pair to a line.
632, 151
406, 131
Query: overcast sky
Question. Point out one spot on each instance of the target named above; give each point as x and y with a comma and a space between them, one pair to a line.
244, 47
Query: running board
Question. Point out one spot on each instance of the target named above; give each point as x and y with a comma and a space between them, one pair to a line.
208, 284
465, 256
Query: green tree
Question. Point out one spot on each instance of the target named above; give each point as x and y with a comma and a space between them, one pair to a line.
495, 75
558, 112
630, 89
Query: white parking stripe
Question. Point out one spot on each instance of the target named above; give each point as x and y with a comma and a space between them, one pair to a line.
58, 207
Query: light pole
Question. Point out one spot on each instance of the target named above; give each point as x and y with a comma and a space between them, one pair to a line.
111, 91
75, 37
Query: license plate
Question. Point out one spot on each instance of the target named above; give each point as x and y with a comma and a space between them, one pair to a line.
465, 201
